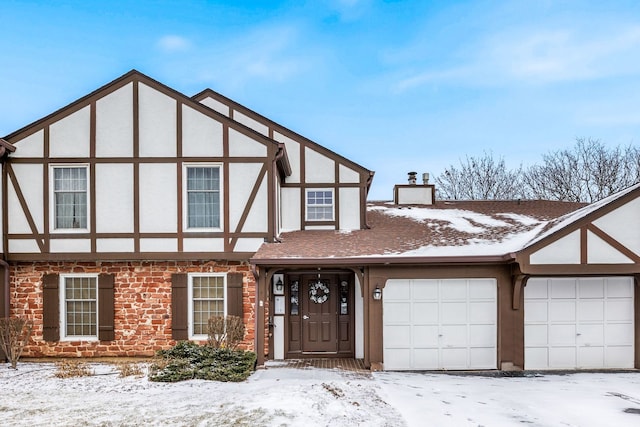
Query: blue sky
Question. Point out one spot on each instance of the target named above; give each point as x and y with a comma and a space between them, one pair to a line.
393, 85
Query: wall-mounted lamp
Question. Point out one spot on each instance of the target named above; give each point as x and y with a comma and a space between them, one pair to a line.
278, 284
377, 293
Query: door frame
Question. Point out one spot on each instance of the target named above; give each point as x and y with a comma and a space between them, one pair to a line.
344, 324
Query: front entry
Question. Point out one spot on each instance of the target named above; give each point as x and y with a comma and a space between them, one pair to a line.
320, 315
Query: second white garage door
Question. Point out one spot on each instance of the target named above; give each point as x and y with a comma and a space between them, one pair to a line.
431, 324
579, 323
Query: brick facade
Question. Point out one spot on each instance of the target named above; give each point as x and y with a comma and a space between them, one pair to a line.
142, 304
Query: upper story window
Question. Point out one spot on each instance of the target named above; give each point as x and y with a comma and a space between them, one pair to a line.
206, 299
79, 306
203, 197
319, 205
70, 197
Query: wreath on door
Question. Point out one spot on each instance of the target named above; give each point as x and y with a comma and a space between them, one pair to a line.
318, 292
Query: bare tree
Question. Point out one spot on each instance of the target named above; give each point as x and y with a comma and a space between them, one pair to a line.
480, 178
585, 173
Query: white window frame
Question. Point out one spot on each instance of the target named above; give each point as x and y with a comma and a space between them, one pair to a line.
63, 308
185, 199
52, 198
190, 276
307, 206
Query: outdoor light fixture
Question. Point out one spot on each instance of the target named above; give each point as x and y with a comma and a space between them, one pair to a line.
377, 293
279, 285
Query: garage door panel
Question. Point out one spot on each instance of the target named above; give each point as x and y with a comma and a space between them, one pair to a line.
397, 312
454, 312
562, 311
425, 312
591, 335
453, 289
619, 334
591, 310
401, 290
425, 336
619, 287
591, 288
562, 334
397, 336
425, 359
425, 290
563, 288
483, 358
455, 358
590, 357
620, 310
482, 335
537, 335
482, 288
594, 329
454, 335
562, 357
397, 359
537, 357
482, 312
537, 311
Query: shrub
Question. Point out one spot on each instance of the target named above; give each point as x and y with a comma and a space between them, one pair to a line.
127, 369
72, 369
225, 332
187, 360
14, 336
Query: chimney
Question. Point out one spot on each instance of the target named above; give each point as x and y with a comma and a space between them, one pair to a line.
425, 178
412, 178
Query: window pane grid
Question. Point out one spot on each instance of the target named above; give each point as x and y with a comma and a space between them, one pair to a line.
203, 197
70, 195
319, 205
80, 306
208, 300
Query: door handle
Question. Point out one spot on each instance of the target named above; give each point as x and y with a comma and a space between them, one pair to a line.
305, 317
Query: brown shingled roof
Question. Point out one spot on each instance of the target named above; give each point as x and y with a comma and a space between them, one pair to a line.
393, 232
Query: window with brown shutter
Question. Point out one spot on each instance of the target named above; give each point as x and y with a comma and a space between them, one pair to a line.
106, 329
179, 307
51, 307
234, 294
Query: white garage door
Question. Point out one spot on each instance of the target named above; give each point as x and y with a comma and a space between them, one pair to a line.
440, 324
574, 323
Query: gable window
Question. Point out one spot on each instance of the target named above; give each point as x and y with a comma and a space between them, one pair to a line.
70, 197
207, 294
79, 306
319, 205
203, 197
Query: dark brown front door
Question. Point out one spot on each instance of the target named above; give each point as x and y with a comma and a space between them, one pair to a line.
319, 315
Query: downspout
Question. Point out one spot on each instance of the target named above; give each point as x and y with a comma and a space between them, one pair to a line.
279, 155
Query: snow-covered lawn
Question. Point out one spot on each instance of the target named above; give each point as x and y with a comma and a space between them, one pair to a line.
32, 396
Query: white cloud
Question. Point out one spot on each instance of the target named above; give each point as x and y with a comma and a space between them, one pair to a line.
173, 43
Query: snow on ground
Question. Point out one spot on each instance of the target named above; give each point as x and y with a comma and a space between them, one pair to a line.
280, 396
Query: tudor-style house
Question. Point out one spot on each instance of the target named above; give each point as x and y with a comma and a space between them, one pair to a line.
135, 213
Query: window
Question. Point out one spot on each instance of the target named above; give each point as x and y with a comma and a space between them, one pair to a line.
79, 306
206, 298
319, 205
203, 197
70, 197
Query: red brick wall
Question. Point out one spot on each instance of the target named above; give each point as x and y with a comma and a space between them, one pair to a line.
142, 293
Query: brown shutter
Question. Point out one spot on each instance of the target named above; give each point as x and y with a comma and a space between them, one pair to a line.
105, 307
234, 294
51, 307
179, 306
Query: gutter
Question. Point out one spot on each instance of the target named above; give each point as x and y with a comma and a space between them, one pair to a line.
382, 260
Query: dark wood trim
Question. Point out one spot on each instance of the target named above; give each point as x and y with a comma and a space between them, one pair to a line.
186, 235
519, 282
136, 166
579, 269
336, 195
46, 199
25, 208
92, 175
255, 159
130, 256
225, 186
584, 252
5, 209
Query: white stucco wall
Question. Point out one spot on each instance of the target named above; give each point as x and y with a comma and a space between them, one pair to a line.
249, 122
114, 123
600, 252
241, 145
201, 135
70, 245
318, 167
216, 105
31, 146
349, 208
623, 224
157, 123
290, 211
69, 137
30, 179
563, 251
293, 153
203, 245
114, 198
115, 245
348, 175
158, 195
158, 245
242, 177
